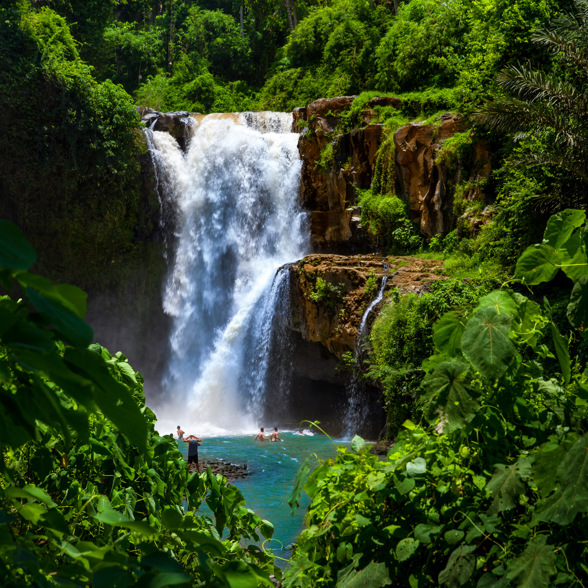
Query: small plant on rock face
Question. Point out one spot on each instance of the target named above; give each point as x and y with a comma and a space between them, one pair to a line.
371, 286
347, 362
325, 293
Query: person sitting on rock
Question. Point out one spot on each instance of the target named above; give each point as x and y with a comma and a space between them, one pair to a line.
275, 436
261, 435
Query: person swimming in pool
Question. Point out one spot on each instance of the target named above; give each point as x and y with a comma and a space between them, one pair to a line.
275, 436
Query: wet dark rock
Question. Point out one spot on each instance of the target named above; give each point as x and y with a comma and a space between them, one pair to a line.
231, 471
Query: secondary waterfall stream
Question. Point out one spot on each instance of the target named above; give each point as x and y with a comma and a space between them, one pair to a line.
357, 407
235, 190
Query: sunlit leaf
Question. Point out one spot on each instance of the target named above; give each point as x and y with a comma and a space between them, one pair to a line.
416, 467
529, 321
572, 257
447, 333
537, 264
447, 396
501, 301
357, 443
561, 225
486, 344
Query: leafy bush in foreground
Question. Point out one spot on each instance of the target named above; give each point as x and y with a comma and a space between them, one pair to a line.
90, 494
491, 490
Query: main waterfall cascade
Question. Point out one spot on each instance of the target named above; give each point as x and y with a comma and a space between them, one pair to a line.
235, 191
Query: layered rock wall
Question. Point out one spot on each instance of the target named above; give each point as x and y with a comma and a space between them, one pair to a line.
331, 174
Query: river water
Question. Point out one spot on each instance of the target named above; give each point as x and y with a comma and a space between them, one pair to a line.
273, 468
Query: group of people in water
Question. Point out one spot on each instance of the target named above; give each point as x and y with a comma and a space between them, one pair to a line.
274, 437
194, 442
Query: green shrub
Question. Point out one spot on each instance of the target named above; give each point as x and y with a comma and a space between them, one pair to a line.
385, 218
371, 286
491, 487
326, 293
402, 338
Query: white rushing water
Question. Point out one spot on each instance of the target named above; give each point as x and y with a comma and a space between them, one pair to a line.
236, 194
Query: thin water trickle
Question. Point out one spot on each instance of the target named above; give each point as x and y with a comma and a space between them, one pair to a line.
358, 405
239, 221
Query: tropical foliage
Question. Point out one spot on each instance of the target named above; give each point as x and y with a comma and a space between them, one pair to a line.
489, 486
90, 493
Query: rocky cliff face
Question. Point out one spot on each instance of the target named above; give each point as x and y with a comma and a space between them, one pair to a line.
330, 293
337, 162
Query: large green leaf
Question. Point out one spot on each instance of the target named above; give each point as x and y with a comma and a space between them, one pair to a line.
578, 307
529, 321
535, 565
447, 333
501, 301
486, 344
561, 225
374, 575
116, 519
537, 264
562, 351
114, 399
406, 548
571, 496
70, 326
506, 485
546, 460
572, 257
296, 493
460, 566
16, 253
19, 332
447, 396
67, 295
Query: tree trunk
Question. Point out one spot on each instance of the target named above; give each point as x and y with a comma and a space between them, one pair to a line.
241, 19
395, 6
289, 12
171, 36
294, 15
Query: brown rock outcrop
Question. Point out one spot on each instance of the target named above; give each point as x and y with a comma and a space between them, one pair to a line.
330, 174
332, 316
336, 163
174, 123
426, 184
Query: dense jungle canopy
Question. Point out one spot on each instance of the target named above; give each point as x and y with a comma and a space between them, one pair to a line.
484, 376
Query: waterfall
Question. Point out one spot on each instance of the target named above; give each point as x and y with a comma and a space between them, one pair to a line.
357, 407
239, 222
